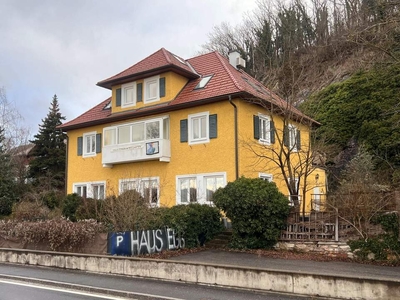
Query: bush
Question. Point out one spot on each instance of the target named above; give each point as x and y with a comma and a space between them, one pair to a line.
70, 205
6, 204
52, 199
30, 211
60, 234
196, 223
383, 246
257, 210
90, 209
127, 212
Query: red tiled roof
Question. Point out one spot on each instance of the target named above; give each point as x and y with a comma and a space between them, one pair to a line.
162, 59
226, 80
96, 113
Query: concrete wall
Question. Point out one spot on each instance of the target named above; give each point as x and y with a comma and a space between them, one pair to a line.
341, 287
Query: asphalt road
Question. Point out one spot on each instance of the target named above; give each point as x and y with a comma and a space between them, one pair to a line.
143, 288
11, 290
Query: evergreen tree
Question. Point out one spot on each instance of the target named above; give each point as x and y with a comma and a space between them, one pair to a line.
49, 153
7, 183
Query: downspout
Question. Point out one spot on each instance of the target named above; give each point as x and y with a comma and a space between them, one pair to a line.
236, 138
66, 165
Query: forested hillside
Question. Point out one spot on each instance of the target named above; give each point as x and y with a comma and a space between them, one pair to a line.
339, 61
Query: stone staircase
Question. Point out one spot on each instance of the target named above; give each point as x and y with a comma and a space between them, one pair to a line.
220, 241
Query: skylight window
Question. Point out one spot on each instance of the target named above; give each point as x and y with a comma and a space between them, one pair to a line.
107, 106
203, 82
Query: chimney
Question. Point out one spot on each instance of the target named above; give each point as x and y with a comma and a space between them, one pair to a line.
235, 59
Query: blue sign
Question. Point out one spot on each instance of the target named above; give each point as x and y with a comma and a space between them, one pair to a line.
131, 243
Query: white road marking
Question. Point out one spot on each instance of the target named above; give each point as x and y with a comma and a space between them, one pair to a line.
61, 290
72, 291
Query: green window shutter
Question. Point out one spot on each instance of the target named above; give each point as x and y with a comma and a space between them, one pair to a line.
184, 131
80, 146
298, 140
272, 131
213, 126
162, 87
256, 122
139, 92
118, 97
286, 136
98, 143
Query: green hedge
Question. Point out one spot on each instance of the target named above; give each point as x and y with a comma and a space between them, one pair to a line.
196, 223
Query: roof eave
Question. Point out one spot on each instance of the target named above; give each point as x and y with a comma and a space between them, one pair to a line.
139, 114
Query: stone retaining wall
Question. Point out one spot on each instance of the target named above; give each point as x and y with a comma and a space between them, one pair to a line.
326, 248
338, 287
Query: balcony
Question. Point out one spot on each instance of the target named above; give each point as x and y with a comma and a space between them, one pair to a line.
138, 151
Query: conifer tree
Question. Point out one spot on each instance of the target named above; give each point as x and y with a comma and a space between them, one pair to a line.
7, 183
47, 168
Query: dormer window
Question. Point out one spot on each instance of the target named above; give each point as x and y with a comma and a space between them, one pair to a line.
128, 94
152, 89
203, 82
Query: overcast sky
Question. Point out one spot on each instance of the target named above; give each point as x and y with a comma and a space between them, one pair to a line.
64, 47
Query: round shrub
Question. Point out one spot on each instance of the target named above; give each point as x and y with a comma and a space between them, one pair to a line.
257, 210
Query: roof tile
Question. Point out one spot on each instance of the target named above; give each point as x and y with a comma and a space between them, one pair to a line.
226, 80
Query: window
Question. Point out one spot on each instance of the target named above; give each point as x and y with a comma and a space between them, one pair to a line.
152, 130
98, 191
292, 137
151, 89
81, 190
128, 94
203, 82
89, 144
138, 132
144, 131
264, 129
188, 189
198, 128
147, 187
198, 188
212, 184
294, 197
109, 136
267, 177
95, 190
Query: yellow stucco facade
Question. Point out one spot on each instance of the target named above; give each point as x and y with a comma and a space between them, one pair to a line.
195, 149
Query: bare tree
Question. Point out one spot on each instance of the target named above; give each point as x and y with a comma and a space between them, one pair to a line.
360, 197
11, 120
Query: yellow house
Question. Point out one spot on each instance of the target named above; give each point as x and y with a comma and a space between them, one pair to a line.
176, 130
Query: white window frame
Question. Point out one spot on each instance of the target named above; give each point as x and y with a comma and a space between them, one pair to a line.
83, 190
124, 88
267, 177
146, 84
162, 131
265, 129
90, 186
90, 135
191, 119
291, 202
201, 186
137, 184
292, 131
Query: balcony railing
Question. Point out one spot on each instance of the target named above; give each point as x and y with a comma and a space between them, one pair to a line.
138, 151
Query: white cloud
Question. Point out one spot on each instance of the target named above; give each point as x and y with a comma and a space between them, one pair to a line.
65, 47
